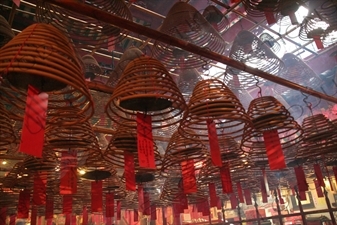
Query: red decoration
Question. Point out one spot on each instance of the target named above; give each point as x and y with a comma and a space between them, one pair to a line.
335, 172
111, 45
34, 123
263, 191
188, 174
140, 198
109, 205
135, 215
212, 195
12, 219
129, 171
318, 42
264, 175
302, 196
39, 192
240, 194
274, 150
319, 175
214, 144
49, 209
96, 196
293, 18
85, 218
145, 141
226, 179
68, 219
248, 196
301, 181
23, 205
153, 212
234, 201
280, 196
270, 17
68, 184
33, 216
318, 189
3, 215
119, 208
67, 204
73, 219
147, 207
219, 203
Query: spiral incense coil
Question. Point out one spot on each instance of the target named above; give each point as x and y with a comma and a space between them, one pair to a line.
213, 100
186, 23
256, 8
180, 149
298, 72
270, 41
216, 18
47, 163
85, 31
47, 62
313, 28
267, 113
91, 67
7, 135
249, 49
130, 54
187, 80
6, 33
325, 9
147, 87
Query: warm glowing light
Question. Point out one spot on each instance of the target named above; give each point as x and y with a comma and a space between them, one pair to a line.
4, 162
82, 172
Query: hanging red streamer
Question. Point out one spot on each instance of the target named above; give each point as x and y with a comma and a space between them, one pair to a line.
263, 191
265, 179
334, 169
34, 123
33, 216
234, 201
188, 174
109, 205
240, 193
302, 195
12, 219
318, 189
145, 141
67, 204
226, 179
49, 209
85, 218
153, 212
214, 144
212, 195
147, 207
219, 203
23, 204
280, 196
318, 42
300, 177
129, 171
3, 215
96, 196
293, 18
39, 191
319, 175
274, 150
270, 17
135, 215
68, 168
68, 219
248, 196
119, 209
140, 198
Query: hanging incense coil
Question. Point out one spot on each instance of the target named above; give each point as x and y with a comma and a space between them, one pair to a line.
186, 23
249, 49
216, 18
48, 63
187, 80
270, 42
313, 28
213, 100
7, 135
91, 67
85, 31
146, 86
267, 113
180, 149
6, 33
130, 54
47, 163
326, 10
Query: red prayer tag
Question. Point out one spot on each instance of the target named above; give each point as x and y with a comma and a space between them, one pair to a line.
17, 2
12, 219
293, 18
96, 196
240, 193
39, 192
33, 217
318, 189
119, 208
68, 181
49, 209
68, 219
248, 196
147, 207
318, 42
153, 212
214, 144
212, 195
188, 174
145, 141
129, 171
67, 204
301, 181
302, 195
135, 215
34, 123
274, 150
109, 205
270, 17
263, 191
3, 215
24, 204
234, 201
140, 198
280, 196
226, 179
319, 175
85, 218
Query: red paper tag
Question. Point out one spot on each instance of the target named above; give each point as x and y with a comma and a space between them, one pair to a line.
34, 123
68, 219
135, 215
248, 196
39, 192
145, 141
33, 216
319, 175
274, 150
85, 218
153, 212
96, 196
119, 208
188, 174
214, 144
67, 204
39, 220
301, 181
68, 183
147, 207
293, 18
219, 203
12, 219
302, 196
17, 2
234, 201
265, 179
212, 195
109, 205
240, 194
49, 209
129, 171
49, 221
3, 215
23, 205
318, 42
140, 198
111, 45
318, 189
270, 17
280, 196
226, 179
263, 191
